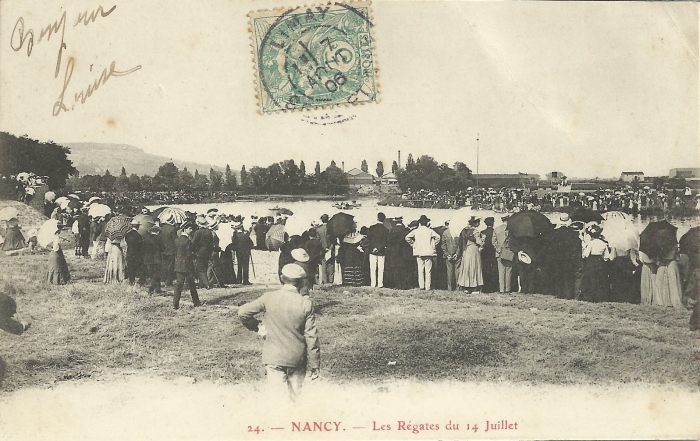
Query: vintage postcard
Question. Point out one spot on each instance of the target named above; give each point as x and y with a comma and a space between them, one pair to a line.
368, 219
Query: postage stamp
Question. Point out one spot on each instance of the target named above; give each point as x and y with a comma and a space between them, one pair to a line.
311, 57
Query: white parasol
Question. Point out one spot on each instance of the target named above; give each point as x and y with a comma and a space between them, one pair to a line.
8, 213
46, 233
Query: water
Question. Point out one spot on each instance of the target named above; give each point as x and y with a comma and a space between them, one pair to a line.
307, 211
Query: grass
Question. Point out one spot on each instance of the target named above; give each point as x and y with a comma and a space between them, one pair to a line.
90, 330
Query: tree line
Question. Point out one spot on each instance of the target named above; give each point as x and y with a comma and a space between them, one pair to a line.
284, 177
20, 154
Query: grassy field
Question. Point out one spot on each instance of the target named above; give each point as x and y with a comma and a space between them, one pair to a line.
87, 330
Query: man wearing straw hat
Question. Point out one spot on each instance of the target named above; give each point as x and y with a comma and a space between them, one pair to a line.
291, 342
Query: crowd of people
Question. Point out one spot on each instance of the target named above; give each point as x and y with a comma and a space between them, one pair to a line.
625, 199
21, 187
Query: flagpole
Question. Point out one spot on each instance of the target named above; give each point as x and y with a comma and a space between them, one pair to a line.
477, 160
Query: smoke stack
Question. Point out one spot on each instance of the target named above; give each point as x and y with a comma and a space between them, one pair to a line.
343, 166
399, 159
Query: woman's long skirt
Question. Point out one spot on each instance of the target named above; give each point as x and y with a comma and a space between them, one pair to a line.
470, 274
595, 281
115, 268
57, 273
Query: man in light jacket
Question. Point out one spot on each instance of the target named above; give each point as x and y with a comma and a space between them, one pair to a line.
291, 341
423, 240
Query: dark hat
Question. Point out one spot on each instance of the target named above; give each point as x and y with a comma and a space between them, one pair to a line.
577, 225
423, 220
324, 218
185, 225
215, 210
489, 221
381, 216
474, 221
413, 224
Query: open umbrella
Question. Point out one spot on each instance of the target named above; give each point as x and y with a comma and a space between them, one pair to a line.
586, 215
49, 196
690, 242
145, 223
99, 210
528, 224
94, 199
45, 235
460, 219
224, 232
658, 239
616, 215
340, 224
173, 216
8, 213
117, 227
298, 223
24, 176
621, 234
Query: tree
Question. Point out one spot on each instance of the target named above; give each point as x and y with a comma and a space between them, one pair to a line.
364, 167
134, 182
292, 177
216, 180
229, 179
410, 163
380, 169
147, 183
394, 167
332, 164
122, 183
333, 180
23, 154
317, 170
108, 181
186, 179
167, 178
302, 168
244, 177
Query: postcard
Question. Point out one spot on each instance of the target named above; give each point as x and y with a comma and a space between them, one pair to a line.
249, 120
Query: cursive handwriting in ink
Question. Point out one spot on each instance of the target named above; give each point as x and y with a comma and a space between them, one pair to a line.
83, 95
87, 19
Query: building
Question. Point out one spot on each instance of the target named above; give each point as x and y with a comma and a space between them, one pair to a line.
632, 176
685, 173
389, 179
358, 178
506, 180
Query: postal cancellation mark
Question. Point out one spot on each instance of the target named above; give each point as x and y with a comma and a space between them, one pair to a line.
314, 57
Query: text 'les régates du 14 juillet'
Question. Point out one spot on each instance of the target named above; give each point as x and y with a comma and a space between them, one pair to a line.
24, 37
398, 426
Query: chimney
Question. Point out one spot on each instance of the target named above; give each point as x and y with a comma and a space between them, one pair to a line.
399, 159
343, 166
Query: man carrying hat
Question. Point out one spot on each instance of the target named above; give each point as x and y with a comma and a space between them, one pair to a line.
291, 342
424, 240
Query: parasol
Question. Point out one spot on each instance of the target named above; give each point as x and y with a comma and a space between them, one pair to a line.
460, 220
224, 232
528, 224
74, 196
24, 176
145, 223
658, 239
586, 215
690, 242
340, 224
172, 216
298, 224
621, 234
8, 213
94, 199
49, 196
46, 233
117, 227
616, 215
99, 210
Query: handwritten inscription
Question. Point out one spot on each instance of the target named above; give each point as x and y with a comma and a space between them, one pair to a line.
24, 38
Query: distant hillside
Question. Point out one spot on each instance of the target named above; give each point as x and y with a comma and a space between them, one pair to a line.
95, 158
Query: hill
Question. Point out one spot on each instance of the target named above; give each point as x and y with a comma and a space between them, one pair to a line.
95, 158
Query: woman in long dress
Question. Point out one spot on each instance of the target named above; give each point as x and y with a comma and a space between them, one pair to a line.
667, 286
648, 279
351, 259
595, 281
57, 273
470, 274
115, 268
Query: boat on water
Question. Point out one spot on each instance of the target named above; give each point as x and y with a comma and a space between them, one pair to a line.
344, 205
281, 210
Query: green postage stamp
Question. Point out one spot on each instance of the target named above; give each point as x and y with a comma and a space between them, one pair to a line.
316, 56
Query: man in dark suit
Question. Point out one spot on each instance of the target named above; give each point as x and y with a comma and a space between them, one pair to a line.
377, 238
134, 252
242, 244
184, 266
167, 236
84, 232
203, 245
152, 248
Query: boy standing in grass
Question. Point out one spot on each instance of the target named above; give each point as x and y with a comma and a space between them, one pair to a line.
291, 342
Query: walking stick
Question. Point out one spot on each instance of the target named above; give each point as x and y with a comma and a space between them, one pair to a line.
252, 264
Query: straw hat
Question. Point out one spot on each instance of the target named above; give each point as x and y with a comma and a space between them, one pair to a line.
300, 255
293, 271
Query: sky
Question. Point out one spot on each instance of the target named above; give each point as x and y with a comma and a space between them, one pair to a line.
589, 89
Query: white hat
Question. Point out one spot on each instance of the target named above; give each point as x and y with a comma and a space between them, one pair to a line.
524, 258
293, 271
300, 255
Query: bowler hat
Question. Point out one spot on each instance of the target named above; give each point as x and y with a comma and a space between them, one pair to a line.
423, 220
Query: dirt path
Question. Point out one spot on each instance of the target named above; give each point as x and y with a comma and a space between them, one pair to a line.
140, 407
